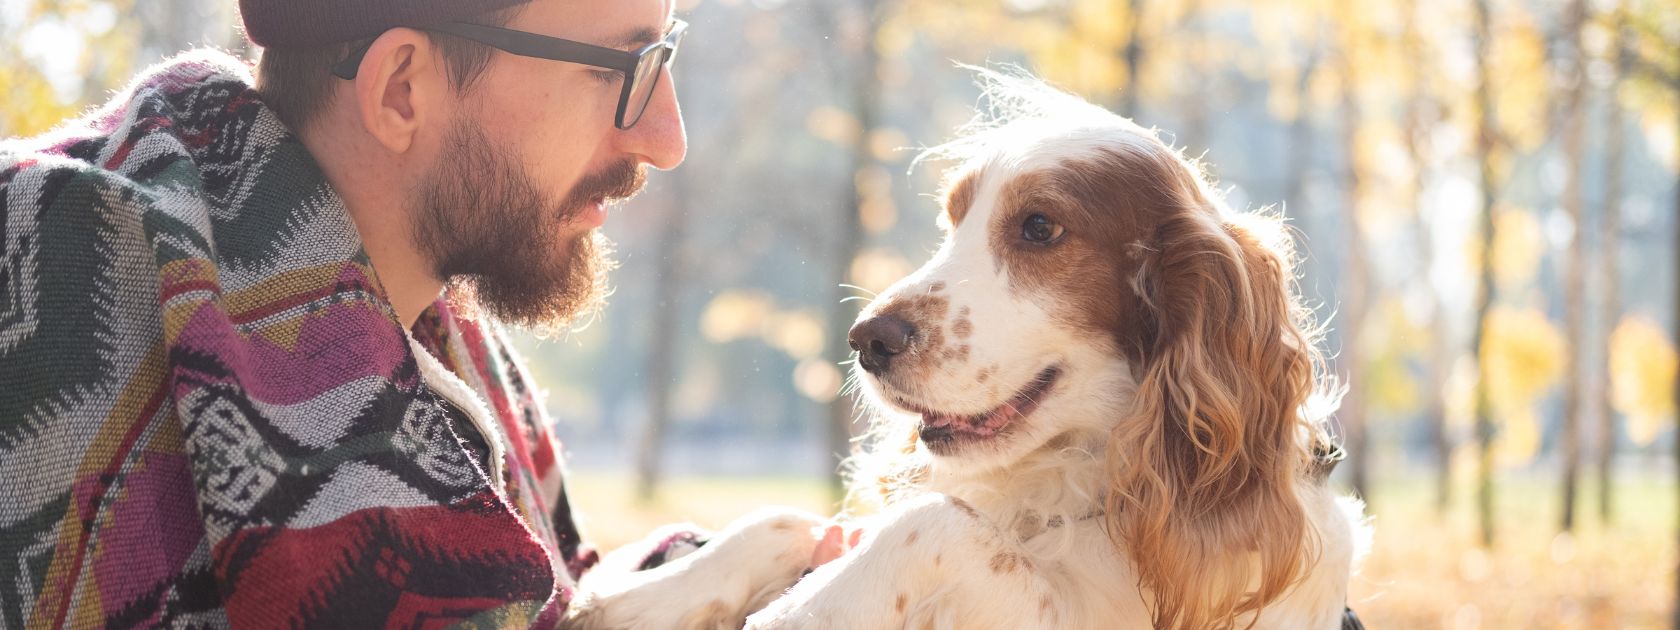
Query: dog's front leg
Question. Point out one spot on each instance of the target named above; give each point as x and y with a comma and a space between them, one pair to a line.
934, 563
738, 570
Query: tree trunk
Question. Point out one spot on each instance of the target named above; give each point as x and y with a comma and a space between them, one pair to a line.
1300, 141
1192, 36
1355, 278
1484, 292
1575, 281
1133, 55
1674, 246
866, 86
1610, 270
663, 353
1440, 351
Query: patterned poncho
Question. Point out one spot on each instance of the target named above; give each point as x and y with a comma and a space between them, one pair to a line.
209, 414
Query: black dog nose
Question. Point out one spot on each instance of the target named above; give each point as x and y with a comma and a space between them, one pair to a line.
878, 339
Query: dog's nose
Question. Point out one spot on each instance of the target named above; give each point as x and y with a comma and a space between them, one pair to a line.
878, 339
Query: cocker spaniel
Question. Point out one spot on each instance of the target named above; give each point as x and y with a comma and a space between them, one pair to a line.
1100, 404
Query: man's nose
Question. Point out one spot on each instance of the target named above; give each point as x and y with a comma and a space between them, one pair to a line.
658, 139
880, 338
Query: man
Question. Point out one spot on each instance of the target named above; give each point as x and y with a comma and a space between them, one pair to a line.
247, 369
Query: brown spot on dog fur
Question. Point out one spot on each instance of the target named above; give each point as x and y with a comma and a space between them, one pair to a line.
1046, 608
1008, 562
900, 603
965, 507
937, 287
1061, 441
962, 328
911, 539
985, 373
922, 310
781, 525
1105, 201
961, 196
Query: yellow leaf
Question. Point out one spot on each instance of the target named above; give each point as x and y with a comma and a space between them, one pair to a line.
1522, 355
1642, 366
735, 314
1517, 247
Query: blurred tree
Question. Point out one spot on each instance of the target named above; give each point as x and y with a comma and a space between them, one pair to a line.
676, 265
664, 348
1193, 63
1484, 134
1572, 75
1355, 279
857, 23
57, 57
1132, 53
1422, 115
1653, 71
1609, 249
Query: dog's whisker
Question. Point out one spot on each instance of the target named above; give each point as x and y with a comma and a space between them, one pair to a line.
858, 288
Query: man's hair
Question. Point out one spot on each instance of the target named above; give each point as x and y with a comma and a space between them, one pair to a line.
297, 83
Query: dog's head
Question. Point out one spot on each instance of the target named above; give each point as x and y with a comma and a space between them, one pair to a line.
1093, 289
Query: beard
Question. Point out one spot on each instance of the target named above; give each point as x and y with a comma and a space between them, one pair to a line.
498, 242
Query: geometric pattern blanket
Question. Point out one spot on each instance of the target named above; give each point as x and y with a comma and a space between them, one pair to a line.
209, 414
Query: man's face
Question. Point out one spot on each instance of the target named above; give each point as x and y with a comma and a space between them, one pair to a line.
509, 212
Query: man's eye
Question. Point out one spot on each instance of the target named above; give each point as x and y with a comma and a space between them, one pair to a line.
607, 77
1041, 230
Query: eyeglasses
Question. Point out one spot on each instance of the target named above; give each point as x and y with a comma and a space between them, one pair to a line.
641, 69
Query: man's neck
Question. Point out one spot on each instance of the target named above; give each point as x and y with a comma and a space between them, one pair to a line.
375, 195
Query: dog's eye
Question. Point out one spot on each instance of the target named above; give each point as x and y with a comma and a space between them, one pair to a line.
1041, 230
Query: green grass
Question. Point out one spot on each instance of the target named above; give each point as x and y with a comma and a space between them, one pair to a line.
1426, 569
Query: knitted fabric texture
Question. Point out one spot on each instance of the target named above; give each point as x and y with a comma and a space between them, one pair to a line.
209, 414
304, 23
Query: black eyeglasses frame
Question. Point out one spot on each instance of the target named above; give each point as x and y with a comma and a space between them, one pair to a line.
538, 46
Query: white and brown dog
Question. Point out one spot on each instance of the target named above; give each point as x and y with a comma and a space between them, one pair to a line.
1100, 405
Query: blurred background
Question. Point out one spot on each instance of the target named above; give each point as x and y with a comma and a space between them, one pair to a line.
1483, 187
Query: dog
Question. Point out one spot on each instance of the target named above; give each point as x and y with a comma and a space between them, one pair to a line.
1099, 405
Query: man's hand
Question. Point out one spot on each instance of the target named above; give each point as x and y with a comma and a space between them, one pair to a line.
836, 541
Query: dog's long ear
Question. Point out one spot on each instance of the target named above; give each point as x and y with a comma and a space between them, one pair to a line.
1204, 469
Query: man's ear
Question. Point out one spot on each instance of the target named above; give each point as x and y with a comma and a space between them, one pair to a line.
399, 86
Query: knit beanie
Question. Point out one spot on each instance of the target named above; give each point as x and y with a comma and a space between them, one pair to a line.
307, 23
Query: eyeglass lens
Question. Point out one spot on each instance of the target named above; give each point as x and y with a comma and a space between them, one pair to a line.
642, 85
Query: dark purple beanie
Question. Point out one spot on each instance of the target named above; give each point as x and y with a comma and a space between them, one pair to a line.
305, 23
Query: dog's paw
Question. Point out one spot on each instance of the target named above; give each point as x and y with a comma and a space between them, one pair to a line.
778, 540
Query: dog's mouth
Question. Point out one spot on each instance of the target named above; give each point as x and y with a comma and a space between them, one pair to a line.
945, 433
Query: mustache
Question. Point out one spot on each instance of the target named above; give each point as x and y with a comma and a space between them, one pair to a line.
618, 182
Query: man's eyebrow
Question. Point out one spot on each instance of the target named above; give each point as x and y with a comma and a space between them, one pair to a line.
637, 38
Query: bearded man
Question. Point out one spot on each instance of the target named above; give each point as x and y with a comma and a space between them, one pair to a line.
249, 368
